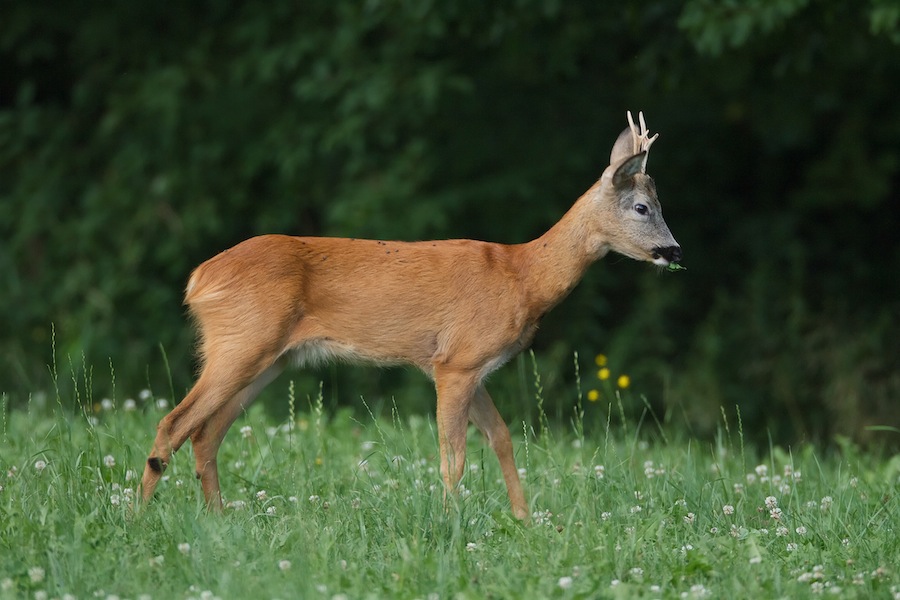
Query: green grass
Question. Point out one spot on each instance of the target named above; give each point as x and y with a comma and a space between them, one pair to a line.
353, 508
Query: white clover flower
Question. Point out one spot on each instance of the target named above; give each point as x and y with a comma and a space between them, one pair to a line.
115, 500
471, 547
157, 561
714, 530
801, 530
791, 547
236, 505
145, 394
614, 583
42, 595
636, 572
771, 502
564, 583
775, 513
522, 472
130, 475
162, 403
728, 509
40, 465
738, 488
636, 509
129, 405
854, 481
293, 499
109, 461
781, 531
314, 499
826, 503
246, 431
755, 560
271, 510
762, 470
36, 574
261, 495
106, 404
184, 548
689, 518
699, 590
605, 515
599, 471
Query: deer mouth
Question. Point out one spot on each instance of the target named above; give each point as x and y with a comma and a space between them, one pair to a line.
664, 256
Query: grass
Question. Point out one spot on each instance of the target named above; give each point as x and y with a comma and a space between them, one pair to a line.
333, 506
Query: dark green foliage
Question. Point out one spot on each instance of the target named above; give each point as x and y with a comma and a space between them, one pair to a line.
139, 139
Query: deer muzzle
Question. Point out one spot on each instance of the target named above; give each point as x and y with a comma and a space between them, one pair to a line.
670, 253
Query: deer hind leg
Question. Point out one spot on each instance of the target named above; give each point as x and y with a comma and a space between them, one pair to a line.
208, 437
484, 414
218, 384
454, 395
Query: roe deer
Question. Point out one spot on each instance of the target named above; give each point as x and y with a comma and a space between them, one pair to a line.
456, 309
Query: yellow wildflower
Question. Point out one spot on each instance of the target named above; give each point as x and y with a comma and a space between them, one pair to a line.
624, 381
600, 359
593, 395
603, 374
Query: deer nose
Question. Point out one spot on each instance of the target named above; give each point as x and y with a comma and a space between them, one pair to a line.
670, 253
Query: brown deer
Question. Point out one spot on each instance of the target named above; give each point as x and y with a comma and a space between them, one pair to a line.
456, 309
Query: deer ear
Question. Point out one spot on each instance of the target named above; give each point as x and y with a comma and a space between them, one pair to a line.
628, 169
623, 148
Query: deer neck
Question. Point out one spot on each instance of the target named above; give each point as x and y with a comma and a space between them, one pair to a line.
556, 261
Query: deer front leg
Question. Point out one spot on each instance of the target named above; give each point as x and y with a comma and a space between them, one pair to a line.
454, 396
484, 414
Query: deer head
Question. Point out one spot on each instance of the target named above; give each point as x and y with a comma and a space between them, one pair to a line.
639, 230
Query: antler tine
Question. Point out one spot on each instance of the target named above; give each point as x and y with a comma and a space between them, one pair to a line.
635, 133
640, 136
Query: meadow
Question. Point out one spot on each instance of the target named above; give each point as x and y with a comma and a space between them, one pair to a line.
335, 505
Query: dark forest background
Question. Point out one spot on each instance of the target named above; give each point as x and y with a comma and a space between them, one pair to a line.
138, 139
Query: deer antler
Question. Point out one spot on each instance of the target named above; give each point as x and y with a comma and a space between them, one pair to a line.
641, 137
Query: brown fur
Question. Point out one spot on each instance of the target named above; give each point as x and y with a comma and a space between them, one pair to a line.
457, 309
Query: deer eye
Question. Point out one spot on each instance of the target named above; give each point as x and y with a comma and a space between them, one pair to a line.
641, 209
